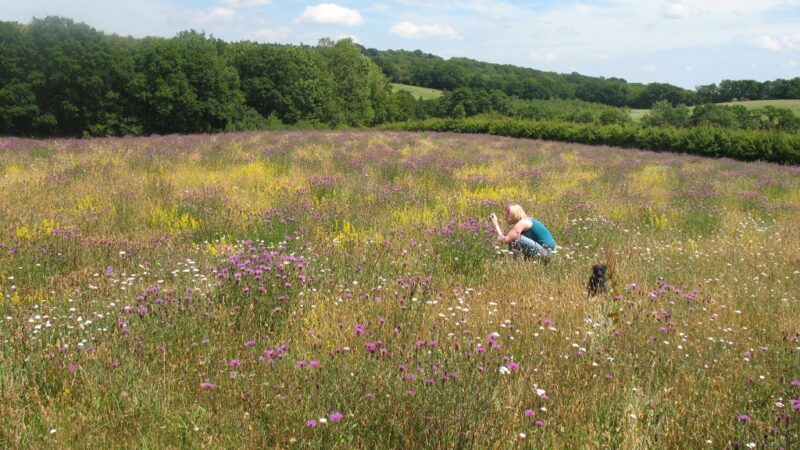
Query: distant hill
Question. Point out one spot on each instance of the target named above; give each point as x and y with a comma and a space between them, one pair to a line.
793, 105
421, 69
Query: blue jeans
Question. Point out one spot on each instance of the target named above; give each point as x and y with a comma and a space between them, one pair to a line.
529, 248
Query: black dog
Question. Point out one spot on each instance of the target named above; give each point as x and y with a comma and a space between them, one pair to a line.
597, 282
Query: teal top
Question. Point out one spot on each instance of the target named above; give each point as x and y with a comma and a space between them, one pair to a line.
540, 234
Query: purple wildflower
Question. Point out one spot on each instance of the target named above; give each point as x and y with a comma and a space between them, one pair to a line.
335, 416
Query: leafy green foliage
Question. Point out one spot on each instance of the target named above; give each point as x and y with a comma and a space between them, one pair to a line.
60, 78
664, 114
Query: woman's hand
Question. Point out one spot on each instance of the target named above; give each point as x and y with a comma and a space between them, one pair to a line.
493, 217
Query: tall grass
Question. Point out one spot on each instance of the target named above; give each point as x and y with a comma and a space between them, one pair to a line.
342, 290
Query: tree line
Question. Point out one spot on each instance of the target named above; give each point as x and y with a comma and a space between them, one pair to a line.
426, 70
61, 78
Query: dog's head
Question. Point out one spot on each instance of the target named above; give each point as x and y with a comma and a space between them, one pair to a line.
599, 271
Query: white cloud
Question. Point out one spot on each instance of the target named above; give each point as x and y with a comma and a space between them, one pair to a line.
792, 41
245, 3
214, 15
543, 56
330, 14
410, 30
491, 8
271, 34
673, 10
768, 43
650, 68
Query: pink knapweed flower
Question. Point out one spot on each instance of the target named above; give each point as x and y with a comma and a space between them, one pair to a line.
335, 416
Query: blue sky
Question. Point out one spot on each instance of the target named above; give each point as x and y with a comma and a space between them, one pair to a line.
676, 41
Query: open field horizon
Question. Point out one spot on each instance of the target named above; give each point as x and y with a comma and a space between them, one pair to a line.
793, 105
342, 290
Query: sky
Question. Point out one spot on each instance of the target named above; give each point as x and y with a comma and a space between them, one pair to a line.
687, 43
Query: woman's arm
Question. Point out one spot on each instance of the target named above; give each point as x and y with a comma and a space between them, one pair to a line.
512, 234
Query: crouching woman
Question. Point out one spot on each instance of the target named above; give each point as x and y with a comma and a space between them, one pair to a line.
527, 237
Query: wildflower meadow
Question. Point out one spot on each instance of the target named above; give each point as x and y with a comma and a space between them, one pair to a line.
330, 289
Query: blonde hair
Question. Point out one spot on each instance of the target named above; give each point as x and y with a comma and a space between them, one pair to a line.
516, 212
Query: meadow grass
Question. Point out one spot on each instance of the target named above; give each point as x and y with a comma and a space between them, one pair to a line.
418, 92
637, 114
794, 105
342, 290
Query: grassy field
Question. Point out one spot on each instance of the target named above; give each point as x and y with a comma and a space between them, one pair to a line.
343, 290
418, 92
637, 114
794, 105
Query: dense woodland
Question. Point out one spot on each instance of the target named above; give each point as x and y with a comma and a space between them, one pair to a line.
60, 78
